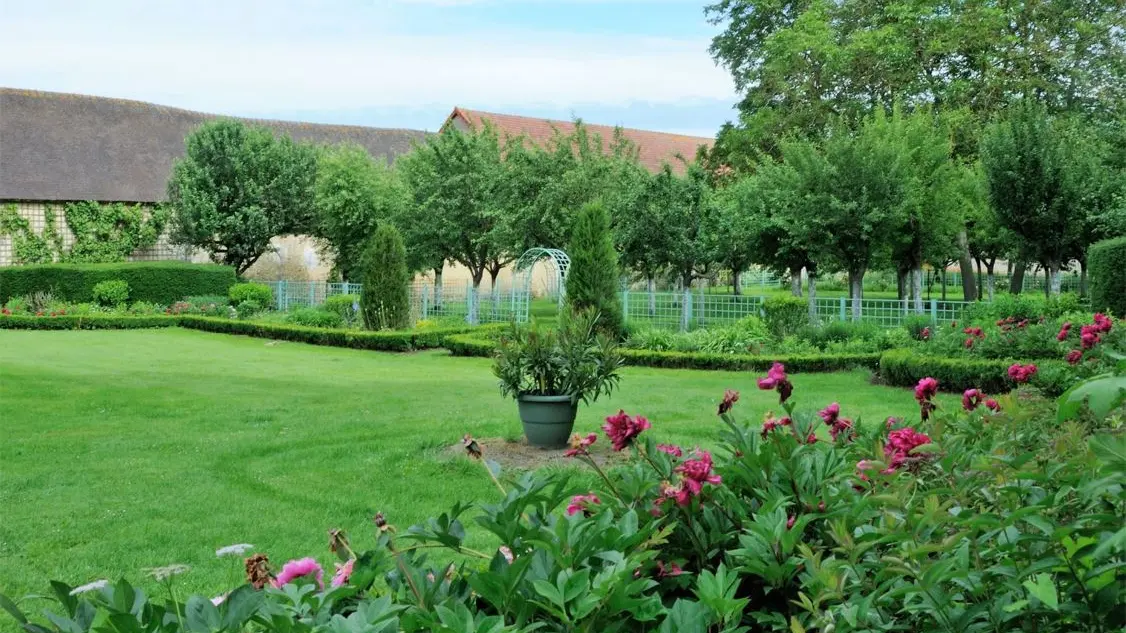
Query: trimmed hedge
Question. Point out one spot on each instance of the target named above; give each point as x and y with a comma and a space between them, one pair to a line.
470, 345
404, 341
904, 368
156, 282
1106, 263
85, 322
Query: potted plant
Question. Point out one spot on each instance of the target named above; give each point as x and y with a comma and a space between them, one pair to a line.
549, 371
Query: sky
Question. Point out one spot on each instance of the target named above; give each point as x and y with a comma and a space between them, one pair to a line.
383, 63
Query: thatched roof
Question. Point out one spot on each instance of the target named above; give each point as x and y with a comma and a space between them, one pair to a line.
57, 146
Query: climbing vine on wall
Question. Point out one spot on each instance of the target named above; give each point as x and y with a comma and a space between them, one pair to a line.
103, 232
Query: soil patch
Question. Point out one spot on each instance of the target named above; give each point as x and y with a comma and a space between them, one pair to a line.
523, 456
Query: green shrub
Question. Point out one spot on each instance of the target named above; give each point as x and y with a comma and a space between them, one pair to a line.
259, 293
248, 309
785, 315
158, 282
312, 317
385, 301
111, 293
915, 326
344, 306
1106, 265
85, 322
386, 340
904, 368
592, 279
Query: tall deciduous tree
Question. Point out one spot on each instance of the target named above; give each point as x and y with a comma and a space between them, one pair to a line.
353, 194
236, 188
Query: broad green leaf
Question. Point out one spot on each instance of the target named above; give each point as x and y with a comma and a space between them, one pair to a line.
9, 606
1111, 450
1043, 589
1102, 394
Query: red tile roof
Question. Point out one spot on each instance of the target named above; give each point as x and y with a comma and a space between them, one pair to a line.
654, 148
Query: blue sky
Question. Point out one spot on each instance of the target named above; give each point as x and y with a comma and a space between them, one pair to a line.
387, 63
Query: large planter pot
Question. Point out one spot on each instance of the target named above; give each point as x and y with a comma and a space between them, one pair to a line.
548, 420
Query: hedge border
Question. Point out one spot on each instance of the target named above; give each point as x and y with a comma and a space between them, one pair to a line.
162, 282
86, 322
904, 368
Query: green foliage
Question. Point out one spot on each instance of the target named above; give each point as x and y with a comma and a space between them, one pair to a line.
238, 187
574, 360
1024, 306
1106, 263
29, 247
904, 368
248, 308
592, 279
85, 322
104, 232
353, 194
158, 282
356, 339
385, 302
259, 293
343, 306
749, 335
784, 315
111, 293
312, 317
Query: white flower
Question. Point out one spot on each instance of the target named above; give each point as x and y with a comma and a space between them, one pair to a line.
233, 550
507, 554
90, 586
166, 572
218, 600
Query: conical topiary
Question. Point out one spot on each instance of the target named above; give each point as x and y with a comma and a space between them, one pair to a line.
592, 281
385, 300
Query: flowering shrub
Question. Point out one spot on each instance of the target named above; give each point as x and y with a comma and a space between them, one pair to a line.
979, 520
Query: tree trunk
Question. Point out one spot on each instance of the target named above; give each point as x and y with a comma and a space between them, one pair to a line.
686, 308
437, 288
474, 296
494, 272
977, 260
901, 283
856, 289
1083, 278
917, 288
989, 279
812, 297
736, 287
969, 288
795, 282
1054, 278
944, 284
651, 288
1016, 278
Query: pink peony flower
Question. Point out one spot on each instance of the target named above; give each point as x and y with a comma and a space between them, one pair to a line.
924, 391
892, 422
969, 343
1065, 329
622, 429
1103, 323
926, 333
842, 426
698, 471
343, 572
900, 443
300, 568
579, 444
679, 493
992, 405
772, 423
971, 398
790, 522
776, 379
672, 569
830, 413
730, 397
671, 449
1074, 356
1022, 373
1089, 336
582, 503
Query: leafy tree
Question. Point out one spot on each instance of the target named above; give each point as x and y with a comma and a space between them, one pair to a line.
353, 194
456, 182
385, 299
236, 188
592, 280
637, 230
988, 240
1026, 170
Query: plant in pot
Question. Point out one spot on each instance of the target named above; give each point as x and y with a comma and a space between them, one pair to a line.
549, 371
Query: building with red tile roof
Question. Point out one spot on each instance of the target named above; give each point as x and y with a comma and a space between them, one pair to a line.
654, 148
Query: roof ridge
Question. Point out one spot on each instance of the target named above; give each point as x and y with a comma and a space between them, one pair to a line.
584, 121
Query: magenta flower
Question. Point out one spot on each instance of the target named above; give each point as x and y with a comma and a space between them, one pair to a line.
679, 493
776, 380
900, 443
697, 472
300, 568
671, 449
672, 569
343, 573
830, 413
892, 422
1103, 323
993, 405
924, 391
730, 397
582, 503
622, 429
579, 444
790, 522
1089, 336
926, 333
1065, 329
1074, 356
971, 398
841, 425
969, 343
1022, 373
772, 423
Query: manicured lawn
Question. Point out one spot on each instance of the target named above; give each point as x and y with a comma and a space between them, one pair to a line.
132, 449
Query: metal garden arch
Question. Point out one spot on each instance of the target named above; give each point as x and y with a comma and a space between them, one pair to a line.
522, 278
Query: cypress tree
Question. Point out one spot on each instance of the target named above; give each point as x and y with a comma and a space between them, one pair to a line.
592, 281
385, 300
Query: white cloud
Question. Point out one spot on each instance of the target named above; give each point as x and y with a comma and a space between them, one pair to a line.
261, 55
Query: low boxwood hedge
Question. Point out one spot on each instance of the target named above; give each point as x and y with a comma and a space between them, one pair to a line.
904, 368
355, 339
156, 282
85, 322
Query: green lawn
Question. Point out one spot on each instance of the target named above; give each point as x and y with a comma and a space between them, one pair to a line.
132, 449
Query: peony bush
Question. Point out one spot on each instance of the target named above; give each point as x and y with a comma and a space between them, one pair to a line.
995, 516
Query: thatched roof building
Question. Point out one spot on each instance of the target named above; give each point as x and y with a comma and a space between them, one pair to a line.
60, 147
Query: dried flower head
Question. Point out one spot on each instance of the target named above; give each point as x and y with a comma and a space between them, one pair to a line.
472, 448
258, 570
338, 540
